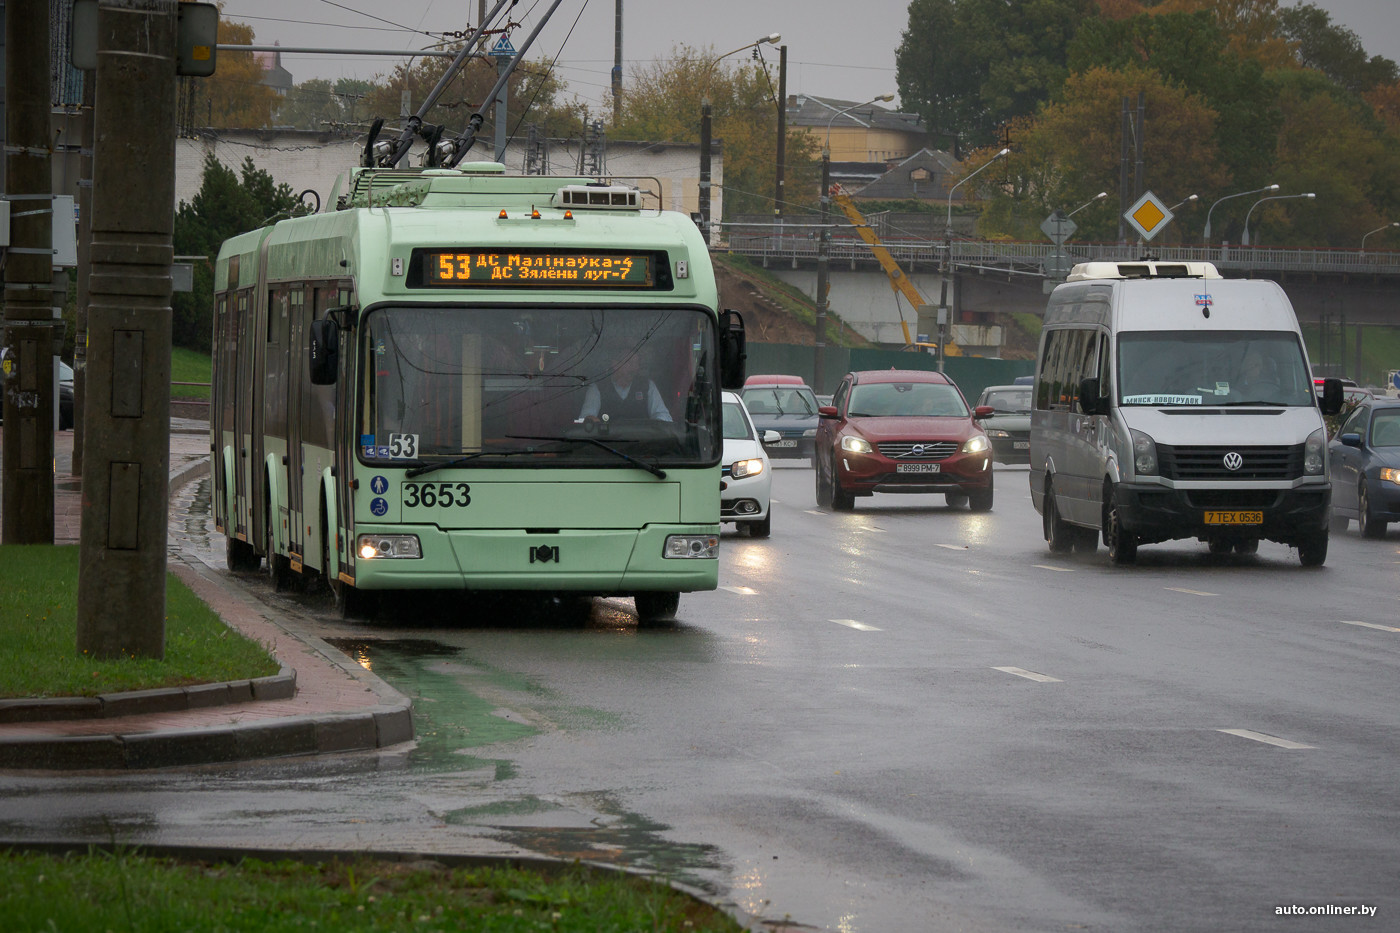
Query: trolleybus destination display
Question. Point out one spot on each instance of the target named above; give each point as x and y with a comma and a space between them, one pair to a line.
500, 268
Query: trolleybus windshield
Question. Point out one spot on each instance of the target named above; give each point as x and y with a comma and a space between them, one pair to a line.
537, 386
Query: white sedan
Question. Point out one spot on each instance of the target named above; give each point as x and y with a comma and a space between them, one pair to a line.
747, 475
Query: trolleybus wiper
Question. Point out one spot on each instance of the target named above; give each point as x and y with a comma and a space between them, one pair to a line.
422, 468
635, 461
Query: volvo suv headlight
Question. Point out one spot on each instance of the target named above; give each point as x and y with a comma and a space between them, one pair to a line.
856, 445
975, 445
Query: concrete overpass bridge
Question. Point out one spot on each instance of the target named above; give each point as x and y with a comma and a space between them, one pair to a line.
1326, 286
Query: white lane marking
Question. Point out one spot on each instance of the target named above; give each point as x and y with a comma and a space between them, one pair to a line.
1266, 739
816, 511
953, 547
1383, 628
1054, 568
1182, 589
740, 590
1030, 675
858, 626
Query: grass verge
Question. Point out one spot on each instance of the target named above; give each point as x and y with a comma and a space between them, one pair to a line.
100, 891
39, 629
190, 366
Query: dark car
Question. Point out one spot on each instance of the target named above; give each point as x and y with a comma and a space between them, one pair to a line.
902, 431
784, 404
1009, 425
65, 396
1364, 461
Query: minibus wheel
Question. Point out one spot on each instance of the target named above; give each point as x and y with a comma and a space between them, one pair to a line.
1312, 550
1122, 544
1058, 533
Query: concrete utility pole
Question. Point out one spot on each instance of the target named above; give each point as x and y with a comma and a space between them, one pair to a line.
617, 68
823, 276
84, 268
780, 194
126, 470
26, 373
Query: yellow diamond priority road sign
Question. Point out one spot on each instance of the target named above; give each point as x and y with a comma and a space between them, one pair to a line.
1148, 215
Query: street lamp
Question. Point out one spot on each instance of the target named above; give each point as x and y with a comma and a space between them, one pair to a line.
1186, 201
948, 224
705, 128
1244, 240
1378, 230
1098, 197
823, 234
1205, 234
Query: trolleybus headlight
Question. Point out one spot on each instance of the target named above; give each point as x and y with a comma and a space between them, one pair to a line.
742, 468
975, 445
691, 546
374, 547
1314, 452
1144, 454
858, 445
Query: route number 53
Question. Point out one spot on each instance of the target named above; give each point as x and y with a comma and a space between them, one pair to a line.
403, 446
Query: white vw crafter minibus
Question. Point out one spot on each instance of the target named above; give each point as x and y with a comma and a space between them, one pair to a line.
1172, 403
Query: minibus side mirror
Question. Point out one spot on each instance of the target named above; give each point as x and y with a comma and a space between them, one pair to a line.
733, 351
325, 352
1090, 401
1332, 396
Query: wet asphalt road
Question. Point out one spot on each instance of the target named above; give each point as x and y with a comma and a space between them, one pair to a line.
908, 717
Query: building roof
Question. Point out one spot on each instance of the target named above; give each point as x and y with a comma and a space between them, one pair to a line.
820, 112
923, 175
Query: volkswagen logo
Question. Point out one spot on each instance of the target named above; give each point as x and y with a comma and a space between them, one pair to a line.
1233, 461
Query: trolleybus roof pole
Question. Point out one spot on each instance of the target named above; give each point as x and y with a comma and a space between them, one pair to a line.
462, 144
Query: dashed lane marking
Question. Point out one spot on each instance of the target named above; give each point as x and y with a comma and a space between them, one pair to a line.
1182, 589
1054, 568
740, 590
1382, 628
858, 626
1029, 675
1266, 739
953, 547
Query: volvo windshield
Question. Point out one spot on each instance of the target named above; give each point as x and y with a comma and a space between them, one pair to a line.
538, 387
1170, 368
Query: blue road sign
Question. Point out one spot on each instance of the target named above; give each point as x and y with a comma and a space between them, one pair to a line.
503, 48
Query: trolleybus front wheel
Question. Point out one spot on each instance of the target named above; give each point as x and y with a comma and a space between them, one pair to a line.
656, 607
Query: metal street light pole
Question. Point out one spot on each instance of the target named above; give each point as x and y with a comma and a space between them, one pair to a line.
1244, 240
1205, 234
1183, 201
705, 129
1098, 197
1395, 223
943, 310
823, 238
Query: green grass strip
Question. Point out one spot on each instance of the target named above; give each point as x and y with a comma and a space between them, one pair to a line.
125, 892
39, 629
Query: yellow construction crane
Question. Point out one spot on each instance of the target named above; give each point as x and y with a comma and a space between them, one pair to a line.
898, 280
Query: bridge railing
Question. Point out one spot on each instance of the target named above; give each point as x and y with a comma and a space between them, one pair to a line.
1034, 258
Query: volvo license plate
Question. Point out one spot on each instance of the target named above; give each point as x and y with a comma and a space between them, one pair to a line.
1234, 518
916, 468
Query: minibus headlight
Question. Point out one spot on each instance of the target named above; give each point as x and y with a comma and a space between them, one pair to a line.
375, 547
691, 546
1144, 454
1315, 453
856, 445
742, 468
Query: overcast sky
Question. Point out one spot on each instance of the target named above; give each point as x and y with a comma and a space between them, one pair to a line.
835, 49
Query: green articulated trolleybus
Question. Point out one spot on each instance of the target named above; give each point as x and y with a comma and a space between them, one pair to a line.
463, 379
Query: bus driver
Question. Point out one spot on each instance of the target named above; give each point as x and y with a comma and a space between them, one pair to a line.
624, 395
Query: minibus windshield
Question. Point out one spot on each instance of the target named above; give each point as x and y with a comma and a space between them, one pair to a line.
1183, 368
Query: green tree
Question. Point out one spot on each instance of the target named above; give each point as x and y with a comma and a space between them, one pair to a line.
968, 66
223, 207
1193, 52
1071, 150
310, 105
663, 103
1334, 50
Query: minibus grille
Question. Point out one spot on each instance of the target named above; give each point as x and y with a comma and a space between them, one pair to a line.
1209, 463
930, 450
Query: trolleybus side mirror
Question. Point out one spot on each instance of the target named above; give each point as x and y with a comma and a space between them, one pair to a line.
733, 352
325, 352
